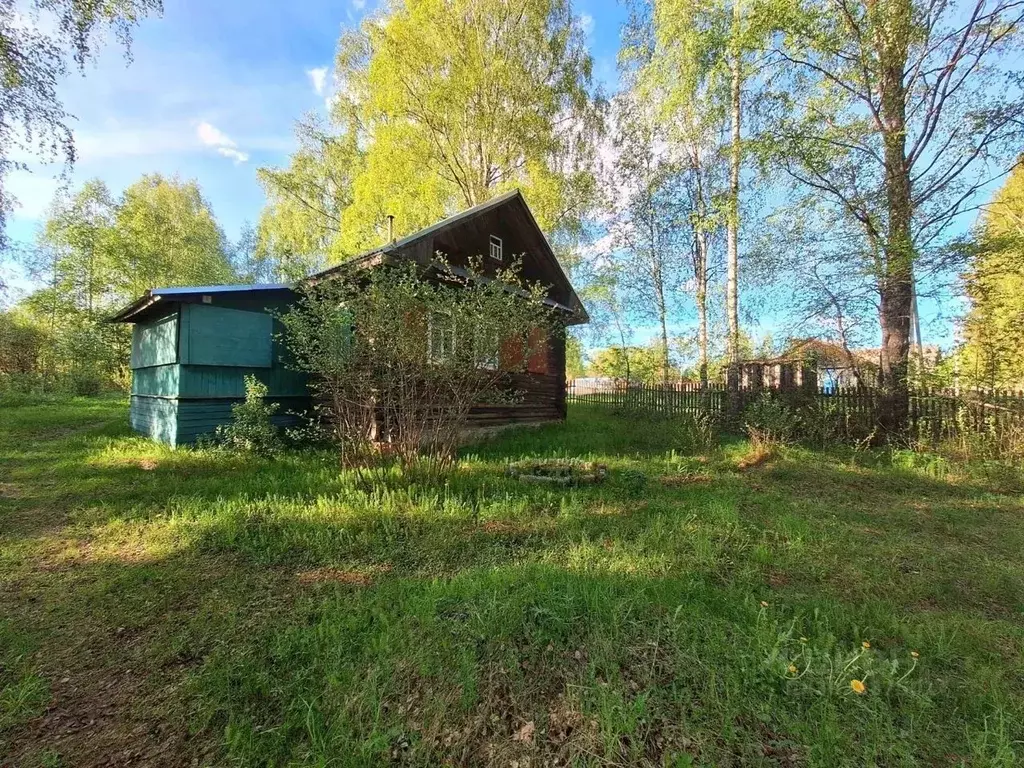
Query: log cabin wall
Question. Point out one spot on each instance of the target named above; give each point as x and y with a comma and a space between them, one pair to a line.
541, 390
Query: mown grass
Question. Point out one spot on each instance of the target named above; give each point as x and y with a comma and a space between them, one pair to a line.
190, 607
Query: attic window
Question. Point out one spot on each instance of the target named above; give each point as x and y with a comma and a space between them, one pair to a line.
496, 247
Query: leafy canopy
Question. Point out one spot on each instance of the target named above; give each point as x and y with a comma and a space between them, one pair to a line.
440, 105
33, 60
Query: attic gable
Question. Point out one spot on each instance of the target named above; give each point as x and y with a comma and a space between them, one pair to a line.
470, 234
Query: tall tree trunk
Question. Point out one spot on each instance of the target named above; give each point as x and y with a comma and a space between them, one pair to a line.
702, 307
700, 266
896, 280
732, 223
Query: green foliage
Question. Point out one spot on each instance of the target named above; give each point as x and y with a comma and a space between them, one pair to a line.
285, 612
252, 428
632, 481
37, 39
771, 419
993, 350
167, 235
438, 106
398, 357
95, 255
638, 364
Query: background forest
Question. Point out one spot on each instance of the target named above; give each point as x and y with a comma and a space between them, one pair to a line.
828, 163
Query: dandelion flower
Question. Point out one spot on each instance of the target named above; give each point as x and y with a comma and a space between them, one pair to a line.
866, 644
764, 604
858, 686
915, 654
792, 669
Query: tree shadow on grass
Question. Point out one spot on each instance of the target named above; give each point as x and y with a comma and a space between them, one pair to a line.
633, 667
292, 616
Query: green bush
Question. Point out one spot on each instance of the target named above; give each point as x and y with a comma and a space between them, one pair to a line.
632, 481
770, 420
252, 428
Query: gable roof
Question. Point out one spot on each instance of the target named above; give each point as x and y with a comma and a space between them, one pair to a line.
400, 248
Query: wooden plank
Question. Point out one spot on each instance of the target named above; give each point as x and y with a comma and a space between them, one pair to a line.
222, 336
154, 342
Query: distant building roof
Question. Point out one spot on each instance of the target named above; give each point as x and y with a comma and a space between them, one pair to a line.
827, 354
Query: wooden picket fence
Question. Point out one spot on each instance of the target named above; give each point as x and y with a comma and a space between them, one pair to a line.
934, 413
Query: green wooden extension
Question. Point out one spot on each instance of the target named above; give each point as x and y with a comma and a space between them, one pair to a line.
190, 355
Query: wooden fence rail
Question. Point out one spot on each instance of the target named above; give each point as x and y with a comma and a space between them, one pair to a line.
933, 412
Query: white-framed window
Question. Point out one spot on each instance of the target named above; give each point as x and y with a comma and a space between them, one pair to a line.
440, 337
496, 248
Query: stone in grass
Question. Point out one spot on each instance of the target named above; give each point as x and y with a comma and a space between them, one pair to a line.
567, 472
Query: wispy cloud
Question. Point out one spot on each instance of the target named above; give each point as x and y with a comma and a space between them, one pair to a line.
212, 136
587, 23
318, 77
359, 4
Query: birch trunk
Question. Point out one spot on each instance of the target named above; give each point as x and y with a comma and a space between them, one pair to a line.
732, 223
896, 281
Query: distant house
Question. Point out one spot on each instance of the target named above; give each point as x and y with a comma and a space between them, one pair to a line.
192, 347
835, 366
838, 367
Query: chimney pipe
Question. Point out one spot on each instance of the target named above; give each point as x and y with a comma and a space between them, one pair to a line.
391, 228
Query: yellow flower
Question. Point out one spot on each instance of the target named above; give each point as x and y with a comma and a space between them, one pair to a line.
764, 604
792, 669
866, 644
858, 686
915, 654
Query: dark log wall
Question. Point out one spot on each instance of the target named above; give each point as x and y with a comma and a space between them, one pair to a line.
542, 394
470, 239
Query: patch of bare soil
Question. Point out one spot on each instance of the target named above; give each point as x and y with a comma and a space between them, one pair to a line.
334, 576
93, 720
685, 478
755, 458
9, 491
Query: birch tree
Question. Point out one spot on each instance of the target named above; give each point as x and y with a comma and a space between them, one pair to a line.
649, 217
33, 122
901, 113
450, 103
699, 60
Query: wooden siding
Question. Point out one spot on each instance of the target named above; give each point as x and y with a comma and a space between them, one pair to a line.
541, 401
195, 418
155, 417
225, 337
155, 342
208, 381
180, 422
159, 380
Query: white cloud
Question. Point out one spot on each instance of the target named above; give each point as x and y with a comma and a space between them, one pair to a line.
212, 136
237, 155
359, 4
587, 23
318, 77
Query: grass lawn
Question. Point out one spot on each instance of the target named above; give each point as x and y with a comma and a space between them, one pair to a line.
166, 608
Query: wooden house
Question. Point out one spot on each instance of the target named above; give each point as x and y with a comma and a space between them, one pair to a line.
192, 347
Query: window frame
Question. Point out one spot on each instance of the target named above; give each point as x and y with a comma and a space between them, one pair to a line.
497, 243
443, 325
